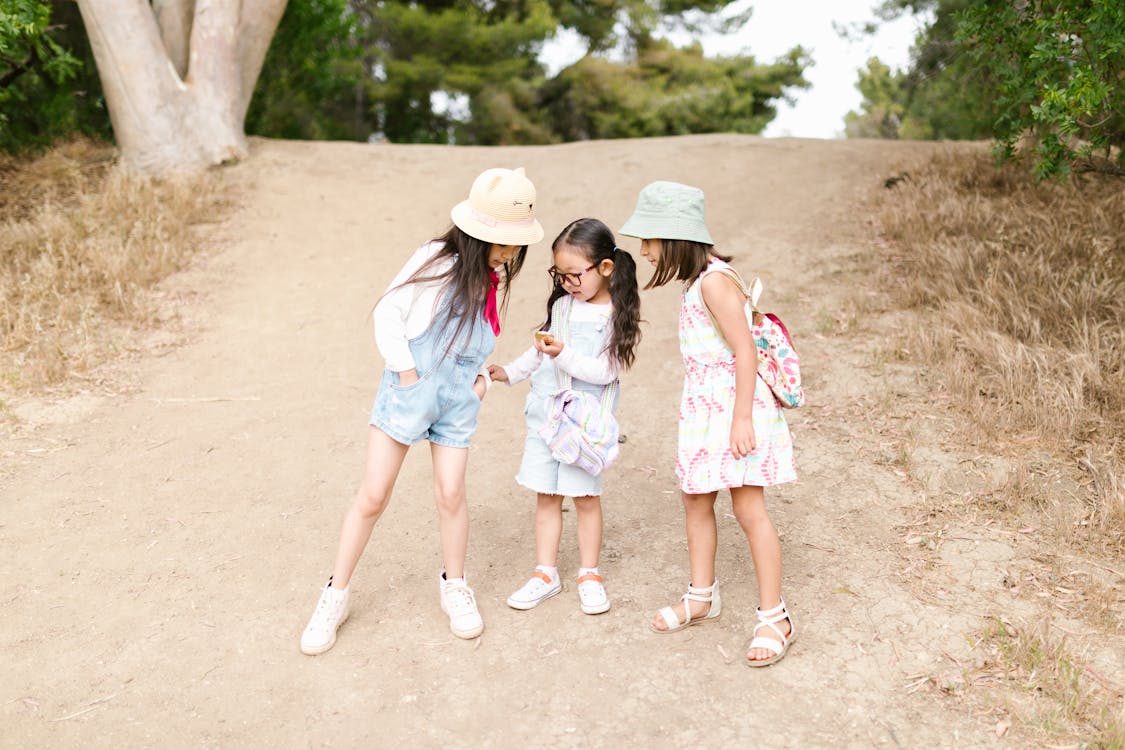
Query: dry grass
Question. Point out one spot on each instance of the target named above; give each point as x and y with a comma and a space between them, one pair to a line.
1021, 290
1025, 286
1056, 691
81, 243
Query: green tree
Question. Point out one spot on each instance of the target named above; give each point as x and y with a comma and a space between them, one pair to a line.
667, 90
485, 57
942, 94
344, 69
1038, 72
420, 53
1058, 69
312, 82
884, 103
38, 75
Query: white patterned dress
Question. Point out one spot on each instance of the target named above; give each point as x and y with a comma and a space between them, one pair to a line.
704, 462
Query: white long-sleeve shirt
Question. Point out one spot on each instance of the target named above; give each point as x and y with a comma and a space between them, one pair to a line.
597, 369
406, 312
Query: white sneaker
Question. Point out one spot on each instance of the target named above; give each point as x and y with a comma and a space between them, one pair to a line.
330, 613
591, 594
537, 590
459, 602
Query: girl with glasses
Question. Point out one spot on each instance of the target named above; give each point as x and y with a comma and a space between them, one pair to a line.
590, 335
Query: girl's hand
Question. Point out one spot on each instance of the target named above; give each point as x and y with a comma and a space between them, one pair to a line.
550, 347
742, 439
480, 387
408, 377
498, 373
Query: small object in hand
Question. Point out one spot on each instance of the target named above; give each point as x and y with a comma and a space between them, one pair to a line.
621, 438
544, 336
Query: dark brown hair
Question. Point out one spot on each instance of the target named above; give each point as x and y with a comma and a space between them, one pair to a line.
596, 242
683, 260
466, 280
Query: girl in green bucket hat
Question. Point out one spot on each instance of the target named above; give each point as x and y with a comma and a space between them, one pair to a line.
732, 432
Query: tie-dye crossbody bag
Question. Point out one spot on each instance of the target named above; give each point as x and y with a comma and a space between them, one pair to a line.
580, 429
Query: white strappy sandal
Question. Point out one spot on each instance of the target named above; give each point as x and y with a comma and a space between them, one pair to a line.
708, 595
780, 645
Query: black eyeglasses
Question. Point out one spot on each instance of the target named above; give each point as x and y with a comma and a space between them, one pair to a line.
574, 279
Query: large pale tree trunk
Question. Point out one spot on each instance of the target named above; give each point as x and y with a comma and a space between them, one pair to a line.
178, 75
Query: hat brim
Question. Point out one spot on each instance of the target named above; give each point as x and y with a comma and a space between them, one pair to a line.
495, 231
658, 227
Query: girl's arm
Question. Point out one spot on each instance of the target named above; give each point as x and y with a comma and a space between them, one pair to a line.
728, 304
518, 369
392, 312
598, 369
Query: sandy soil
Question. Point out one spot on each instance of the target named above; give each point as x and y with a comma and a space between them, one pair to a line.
163, 547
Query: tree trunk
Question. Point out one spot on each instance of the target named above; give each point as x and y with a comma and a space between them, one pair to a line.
174, 19
178, 76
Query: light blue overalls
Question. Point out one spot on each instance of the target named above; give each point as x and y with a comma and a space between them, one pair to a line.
539, 471
442, 406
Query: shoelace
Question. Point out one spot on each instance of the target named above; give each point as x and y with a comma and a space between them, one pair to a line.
460, 599
325, 609
591, 590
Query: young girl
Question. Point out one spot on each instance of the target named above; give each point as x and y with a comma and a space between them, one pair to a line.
435, 326
732, 432
595, 300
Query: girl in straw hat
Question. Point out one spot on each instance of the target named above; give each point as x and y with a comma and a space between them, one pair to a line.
435, 326
732, 432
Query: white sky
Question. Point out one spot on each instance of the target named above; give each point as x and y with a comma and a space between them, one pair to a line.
778, 25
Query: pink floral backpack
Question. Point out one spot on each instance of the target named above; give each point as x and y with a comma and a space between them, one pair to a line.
778, 364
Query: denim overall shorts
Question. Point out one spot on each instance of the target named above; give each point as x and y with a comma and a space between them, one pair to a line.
539, 471
441, 406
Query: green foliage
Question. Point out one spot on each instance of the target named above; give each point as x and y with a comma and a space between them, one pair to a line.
43, 79
311, 85
943, 94
1058, 69
669, 91
883, 103
487, 56
344, 69
421, 52
1045, 74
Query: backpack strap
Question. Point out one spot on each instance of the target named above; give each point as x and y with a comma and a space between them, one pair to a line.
751, 293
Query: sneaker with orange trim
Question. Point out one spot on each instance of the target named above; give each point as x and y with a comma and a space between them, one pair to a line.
540, 587
591, 594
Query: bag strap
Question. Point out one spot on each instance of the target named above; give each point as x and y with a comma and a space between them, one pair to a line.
751, 293
561, 376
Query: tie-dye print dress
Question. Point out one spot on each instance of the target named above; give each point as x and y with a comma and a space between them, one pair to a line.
704, 462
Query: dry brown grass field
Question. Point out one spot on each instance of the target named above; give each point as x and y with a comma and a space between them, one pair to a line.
1021, 289
81, 246
954, 549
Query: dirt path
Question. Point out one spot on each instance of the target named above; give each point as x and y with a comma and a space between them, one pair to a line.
162, 549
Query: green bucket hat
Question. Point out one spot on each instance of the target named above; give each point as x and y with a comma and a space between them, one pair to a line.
668, 211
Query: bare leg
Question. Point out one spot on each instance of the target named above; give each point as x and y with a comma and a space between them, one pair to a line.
703, 538
453, 511
384, 459
589, 511
749, 506
548, 529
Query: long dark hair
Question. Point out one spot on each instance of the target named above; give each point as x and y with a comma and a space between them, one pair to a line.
596, 242
682, 260
466, 281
